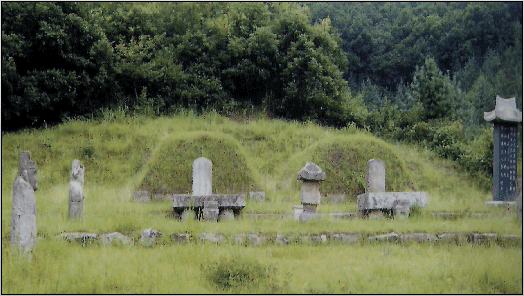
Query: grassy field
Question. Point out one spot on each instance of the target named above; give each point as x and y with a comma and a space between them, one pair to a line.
122, 154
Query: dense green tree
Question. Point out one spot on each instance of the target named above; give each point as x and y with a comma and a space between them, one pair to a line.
434, 90
49, 71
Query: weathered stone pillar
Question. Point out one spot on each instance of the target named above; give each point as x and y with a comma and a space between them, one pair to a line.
376, 176
505, 118
23, 215
202, 176
311, 176
76, 190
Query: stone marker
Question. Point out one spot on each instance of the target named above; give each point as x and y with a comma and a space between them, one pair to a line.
505, 118
202, 176
142, 196
76, 190
23, 215
376, 176
311, 176
401, 208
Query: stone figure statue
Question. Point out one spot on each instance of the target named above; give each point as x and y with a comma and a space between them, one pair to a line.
23, 215
76, 190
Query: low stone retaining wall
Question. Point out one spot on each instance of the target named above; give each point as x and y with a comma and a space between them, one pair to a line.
151, 237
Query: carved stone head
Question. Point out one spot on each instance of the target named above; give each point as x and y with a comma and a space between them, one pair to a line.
77, 172
27, 169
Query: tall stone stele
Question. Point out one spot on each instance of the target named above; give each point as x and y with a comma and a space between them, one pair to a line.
376, 176
202, 176
76, 190
505, 118
311, 176
23, 215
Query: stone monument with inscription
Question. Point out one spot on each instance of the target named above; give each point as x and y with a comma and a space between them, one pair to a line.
23, 215
505, 118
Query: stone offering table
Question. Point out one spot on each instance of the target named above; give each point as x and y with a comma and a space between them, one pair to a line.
208, 206
389, 201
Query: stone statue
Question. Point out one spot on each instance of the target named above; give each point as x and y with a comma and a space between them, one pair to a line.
23, 215
76, 190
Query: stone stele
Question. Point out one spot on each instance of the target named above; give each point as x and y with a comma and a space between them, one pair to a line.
76, 190
202, 176
23, 215
376, 176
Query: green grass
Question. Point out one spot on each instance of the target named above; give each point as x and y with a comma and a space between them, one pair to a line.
122, 154
303, 269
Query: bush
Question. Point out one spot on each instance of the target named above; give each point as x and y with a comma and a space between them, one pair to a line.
241, 275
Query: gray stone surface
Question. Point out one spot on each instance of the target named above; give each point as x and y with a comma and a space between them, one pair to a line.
212, 237
452, 237
283, 239
401, 208
318, 238
202, 176
210, 211
390, 237
251, 239
117, 237
226, 215
23, 214
142, 196
180, 237
76, 190
297, 211
257, 195
311, 172
80, 237
149, 236
518, 198
480, 238
386, 200
310, 192
376, 176
418, 237
346, 238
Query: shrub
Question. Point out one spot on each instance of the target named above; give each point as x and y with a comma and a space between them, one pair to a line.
241, 274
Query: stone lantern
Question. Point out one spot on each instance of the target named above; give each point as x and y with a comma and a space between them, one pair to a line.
311, 176
505, 118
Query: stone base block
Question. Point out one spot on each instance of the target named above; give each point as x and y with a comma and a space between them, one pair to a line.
419, 237
309, 208
390, 237
500, 203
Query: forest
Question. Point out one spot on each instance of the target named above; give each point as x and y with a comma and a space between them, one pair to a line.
421, 72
